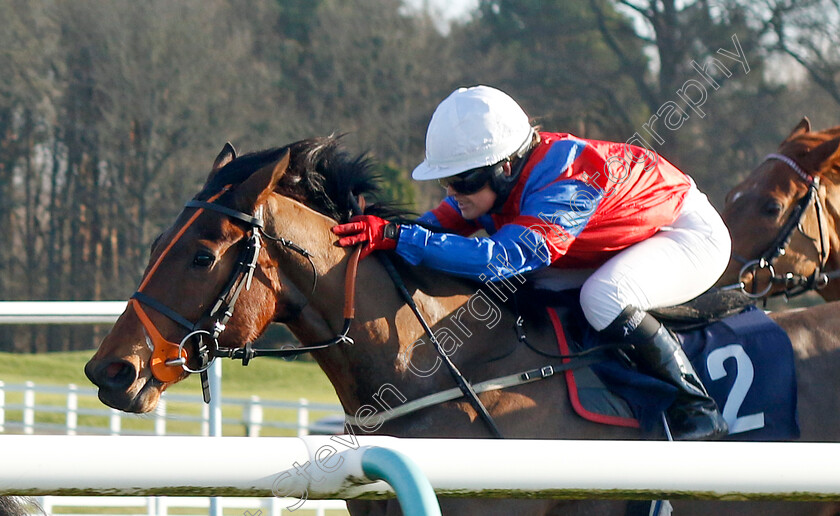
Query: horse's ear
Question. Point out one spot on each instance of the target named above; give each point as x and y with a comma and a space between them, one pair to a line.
804, 126
816, 157
261, 183
227, 155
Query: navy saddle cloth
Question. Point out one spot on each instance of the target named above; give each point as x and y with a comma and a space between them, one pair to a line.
745, 361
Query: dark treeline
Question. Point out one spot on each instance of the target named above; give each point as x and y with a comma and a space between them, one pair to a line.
111, 111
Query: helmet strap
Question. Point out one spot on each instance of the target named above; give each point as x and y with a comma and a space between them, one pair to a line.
503, 185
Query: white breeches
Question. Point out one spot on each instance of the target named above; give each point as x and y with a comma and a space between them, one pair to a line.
675, 265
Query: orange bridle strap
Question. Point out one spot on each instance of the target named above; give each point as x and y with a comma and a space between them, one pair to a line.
164, 350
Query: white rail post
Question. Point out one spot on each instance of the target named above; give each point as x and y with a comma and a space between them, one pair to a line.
303, 417
46, 503
72, 409
266, 505
205, 419
2, 407
115, 423
215, 405
29, 408
252, 414
162, 506
160, 418
274, 506
216, 420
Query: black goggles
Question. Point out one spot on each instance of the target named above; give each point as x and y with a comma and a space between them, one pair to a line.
471, 181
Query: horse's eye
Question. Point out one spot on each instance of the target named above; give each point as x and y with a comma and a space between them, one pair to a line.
772, 208
203, 259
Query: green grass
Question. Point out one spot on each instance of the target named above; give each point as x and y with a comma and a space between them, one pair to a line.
267, 378
270, 379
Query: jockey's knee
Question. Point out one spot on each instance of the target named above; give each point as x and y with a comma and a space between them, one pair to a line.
601, 301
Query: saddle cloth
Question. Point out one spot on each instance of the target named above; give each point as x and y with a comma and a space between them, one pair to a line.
744, 360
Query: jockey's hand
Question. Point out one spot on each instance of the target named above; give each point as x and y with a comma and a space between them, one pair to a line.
379, 234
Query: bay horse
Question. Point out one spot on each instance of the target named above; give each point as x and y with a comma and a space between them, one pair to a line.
299, 192
784, 218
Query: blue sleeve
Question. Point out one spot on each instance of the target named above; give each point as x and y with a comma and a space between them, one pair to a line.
512, 250
430, 219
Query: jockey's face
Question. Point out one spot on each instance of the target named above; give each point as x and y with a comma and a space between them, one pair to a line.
475, 204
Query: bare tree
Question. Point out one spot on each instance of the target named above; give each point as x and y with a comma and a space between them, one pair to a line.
368, 69
809, 32
110, 114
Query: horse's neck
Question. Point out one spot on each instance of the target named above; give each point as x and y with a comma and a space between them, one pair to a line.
390, 344
832, 223
392, 350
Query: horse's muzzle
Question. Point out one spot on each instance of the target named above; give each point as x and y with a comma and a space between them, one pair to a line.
114, 377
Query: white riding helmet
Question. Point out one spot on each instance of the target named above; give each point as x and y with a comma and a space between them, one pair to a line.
471, 128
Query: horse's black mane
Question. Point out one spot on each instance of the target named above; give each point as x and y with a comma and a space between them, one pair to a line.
321, 175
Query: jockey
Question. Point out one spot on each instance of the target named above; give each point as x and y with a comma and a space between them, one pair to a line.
631, 224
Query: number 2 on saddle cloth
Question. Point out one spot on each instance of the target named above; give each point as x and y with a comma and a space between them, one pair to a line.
745, 360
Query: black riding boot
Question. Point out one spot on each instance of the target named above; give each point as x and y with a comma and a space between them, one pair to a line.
694, 415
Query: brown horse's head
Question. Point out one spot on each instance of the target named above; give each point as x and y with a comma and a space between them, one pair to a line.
758, 209
191, 264
196, 266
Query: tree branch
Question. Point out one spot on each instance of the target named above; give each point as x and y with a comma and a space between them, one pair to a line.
627, 64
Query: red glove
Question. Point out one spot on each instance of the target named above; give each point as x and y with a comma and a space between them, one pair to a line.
379, 234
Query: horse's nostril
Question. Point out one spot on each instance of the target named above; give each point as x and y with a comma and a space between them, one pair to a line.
113, 369
116, 375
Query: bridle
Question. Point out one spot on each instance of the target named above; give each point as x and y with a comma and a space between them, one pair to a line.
169, 360
794, 284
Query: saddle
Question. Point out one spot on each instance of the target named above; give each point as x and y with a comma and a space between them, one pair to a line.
744, 359
709, 307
